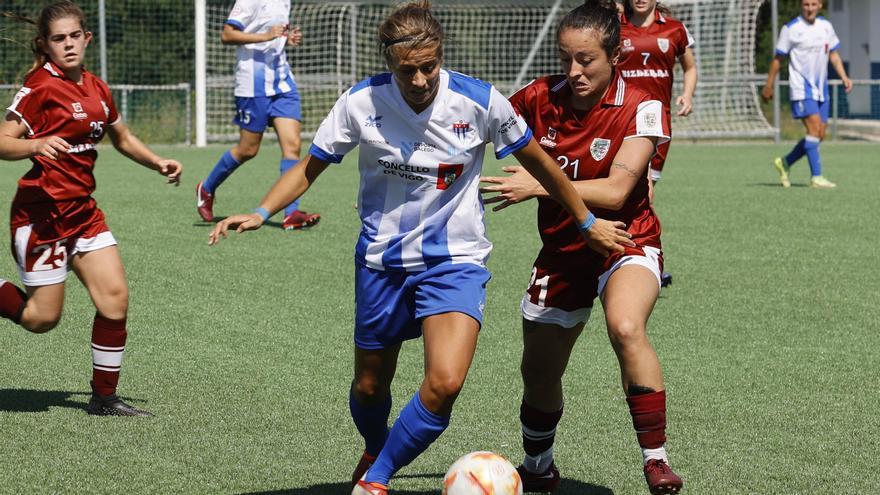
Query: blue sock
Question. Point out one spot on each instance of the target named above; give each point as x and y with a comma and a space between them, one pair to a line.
415, 429
371, 422
287, 164
224, 168
812, 148
796, 153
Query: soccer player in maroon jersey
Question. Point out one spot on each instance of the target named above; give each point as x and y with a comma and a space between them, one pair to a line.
603, 132
56, 119
651, 42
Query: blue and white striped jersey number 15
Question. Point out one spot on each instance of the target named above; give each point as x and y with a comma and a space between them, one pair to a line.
261, 69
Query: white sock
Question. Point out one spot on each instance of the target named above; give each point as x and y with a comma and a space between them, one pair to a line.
658, 453
540, 463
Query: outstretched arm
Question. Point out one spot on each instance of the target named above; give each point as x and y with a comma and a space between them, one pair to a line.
290, 186
129, 145
602, 236
608, 193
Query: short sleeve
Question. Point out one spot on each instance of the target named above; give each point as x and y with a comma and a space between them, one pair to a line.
650, 121
783, 44
519, 102
337, 134
507, 129
27, 105
109, 105
833, 40
242, 14
687, 41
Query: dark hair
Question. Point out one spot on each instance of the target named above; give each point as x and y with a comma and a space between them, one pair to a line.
600, 15
659, 7
412, 26
50, 13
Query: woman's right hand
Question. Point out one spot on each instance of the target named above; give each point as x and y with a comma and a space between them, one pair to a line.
50, 147
606, 237
239, 223
767, 93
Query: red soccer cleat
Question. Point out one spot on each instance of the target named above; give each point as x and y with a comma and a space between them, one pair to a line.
360, 470
364, 488
300, 220
204, 203
539, 483
661, 480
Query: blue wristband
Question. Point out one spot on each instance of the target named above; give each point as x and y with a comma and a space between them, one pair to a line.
591, 219
264, 213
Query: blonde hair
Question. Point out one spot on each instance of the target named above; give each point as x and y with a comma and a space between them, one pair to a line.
411, 26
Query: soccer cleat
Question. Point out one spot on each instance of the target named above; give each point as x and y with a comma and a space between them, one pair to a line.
112, 405
665, 279
661, 480
539, 483
363, 465
364, 488
819, 182
300, 220
204, 203
782, 168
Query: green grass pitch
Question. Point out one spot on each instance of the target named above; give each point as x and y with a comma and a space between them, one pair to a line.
769, 339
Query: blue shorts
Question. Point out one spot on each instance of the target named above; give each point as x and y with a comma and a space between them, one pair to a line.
254, 114
801, 109
389, 305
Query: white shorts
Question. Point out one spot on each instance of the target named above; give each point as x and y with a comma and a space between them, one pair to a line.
49, 263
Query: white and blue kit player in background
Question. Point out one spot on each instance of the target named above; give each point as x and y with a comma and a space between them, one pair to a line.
265, 94
420, 260
809, 42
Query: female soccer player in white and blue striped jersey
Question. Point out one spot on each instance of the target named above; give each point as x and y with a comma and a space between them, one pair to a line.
809, 42
420, 259
265, 94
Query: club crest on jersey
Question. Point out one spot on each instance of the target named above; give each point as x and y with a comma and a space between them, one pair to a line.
663, 43
461, 129
373, 121
627, 45
599, 148
448, 173
650, 120
78, 112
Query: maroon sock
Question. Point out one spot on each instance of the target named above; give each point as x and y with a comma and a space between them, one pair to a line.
12, 301
538, 428
649, 418
108, 344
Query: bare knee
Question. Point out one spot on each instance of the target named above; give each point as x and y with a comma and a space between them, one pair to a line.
40, 323
537, 375
113, 302
291, 148
444, 387
626, 333
368, 390
245, 151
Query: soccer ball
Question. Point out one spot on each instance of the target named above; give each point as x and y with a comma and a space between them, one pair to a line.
482, 473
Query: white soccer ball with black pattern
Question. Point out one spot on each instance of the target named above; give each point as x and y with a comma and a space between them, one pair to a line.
481, 473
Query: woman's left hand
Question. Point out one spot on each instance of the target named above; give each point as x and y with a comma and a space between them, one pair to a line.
685, 105
294, 36
171, 169
515, 188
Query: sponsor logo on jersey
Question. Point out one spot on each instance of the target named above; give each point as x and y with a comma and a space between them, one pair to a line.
81, 148
404, 170
373, 121
662, 73
663, 43
550, 139
461, 129
78, 112
508, 124
448, 173
599, 148
627, 46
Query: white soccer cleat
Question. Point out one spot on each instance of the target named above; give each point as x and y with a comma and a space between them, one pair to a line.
819, 182
782, 168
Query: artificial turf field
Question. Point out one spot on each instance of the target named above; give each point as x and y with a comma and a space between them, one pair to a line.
769, 340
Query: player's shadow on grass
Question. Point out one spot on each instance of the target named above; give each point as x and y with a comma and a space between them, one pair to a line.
19, 400
776, 184
566, 487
